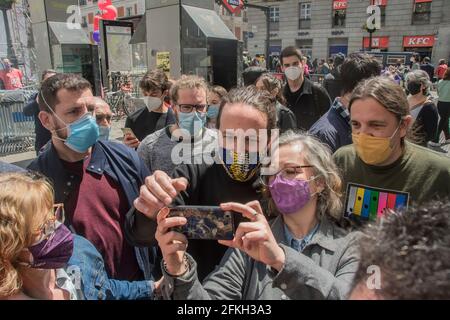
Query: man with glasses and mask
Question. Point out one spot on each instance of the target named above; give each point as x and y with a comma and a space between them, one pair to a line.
232, 175
186, 139
103, 116
381, 169
96, 180
156, 115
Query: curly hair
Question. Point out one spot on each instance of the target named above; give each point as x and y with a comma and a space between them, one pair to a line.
25, 202
412, 250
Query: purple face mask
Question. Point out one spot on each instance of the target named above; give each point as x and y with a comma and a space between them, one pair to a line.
289, 195
54, 252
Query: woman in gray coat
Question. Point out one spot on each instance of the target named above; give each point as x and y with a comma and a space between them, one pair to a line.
301, 254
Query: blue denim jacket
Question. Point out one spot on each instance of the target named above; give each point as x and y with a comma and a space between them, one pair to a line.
120, 163
94, 283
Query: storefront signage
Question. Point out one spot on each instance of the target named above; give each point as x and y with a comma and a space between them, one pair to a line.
377, 42
418, 41
339, 4
233, 5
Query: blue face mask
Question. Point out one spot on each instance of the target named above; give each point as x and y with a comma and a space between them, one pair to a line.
104, 133
193, 122
81, 134
213, 111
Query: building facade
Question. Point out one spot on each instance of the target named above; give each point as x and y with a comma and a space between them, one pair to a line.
237, 23
322, 28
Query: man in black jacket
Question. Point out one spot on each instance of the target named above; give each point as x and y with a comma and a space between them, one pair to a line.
307, 100
32, 110
208, 184
156, 115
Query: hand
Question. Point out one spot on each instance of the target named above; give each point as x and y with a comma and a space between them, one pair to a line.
255, 238
173, 244
131, 141
158, 191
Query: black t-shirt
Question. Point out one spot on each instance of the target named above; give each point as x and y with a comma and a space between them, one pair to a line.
209, 185
144, 122
308, 103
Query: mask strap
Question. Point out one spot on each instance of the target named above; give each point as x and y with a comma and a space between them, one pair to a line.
53, 112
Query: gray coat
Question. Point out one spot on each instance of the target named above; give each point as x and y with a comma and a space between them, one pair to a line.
324, 270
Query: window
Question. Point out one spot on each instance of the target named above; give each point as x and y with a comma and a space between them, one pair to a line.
339, 18
422, 12
82, 2
339, 13
129, 11
84, 23
274, 15
305, 16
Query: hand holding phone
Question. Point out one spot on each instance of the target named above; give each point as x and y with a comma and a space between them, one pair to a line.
204, 222
129, 138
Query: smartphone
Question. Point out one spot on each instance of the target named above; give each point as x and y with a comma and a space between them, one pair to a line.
204, 222
128, 131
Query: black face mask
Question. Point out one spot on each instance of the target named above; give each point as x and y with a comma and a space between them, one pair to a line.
414, 88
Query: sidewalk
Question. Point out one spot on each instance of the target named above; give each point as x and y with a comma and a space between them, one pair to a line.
25, 158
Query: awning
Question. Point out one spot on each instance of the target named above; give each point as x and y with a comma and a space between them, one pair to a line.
140, 34
63, 35
209, 23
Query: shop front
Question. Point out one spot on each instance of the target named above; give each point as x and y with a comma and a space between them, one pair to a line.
423, 45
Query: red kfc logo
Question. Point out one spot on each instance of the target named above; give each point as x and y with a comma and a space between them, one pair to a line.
340, 4
418, 41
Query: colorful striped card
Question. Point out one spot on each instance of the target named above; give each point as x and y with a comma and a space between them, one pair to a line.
369, 203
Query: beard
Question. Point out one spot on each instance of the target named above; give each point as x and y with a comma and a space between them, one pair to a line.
59, 131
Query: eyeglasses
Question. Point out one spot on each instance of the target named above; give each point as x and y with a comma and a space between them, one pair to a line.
101, 117
187, 108
49, 227
289, 173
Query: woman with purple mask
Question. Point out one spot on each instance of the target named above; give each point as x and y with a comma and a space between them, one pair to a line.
300, 254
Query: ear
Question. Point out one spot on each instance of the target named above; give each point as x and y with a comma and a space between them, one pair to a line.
46, 121
406, 124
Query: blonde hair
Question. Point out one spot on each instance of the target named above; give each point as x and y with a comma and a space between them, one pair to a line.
318, 155
187, 82
25, 202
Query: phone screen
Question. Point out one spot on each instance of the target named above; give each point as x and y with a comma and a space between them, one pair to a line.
128, 131
207, 223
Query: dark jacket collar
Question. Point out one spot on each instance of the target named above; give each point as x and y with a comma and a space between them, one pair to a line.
306, 88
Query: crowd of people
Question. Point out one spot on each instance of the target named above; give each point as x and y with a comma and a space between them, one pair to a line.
343, 181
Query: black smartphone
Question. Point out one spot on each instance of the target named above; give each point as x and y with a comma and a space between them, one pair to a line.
204, 222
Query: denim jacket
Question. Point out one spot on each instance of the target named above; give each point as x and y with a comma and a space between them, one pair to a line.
87, 271
120, 163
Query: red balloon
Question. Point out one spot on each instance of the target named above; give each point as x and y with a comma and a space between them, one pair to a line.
102, 4
97, 19
110, 13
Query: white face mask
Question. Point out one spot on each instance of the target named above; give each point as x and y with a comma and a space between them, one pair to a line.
152, 103
293, 73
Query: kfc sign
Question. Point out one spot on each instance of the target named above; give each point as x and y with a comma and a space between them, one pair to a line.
418, 41
233, 5
339, 4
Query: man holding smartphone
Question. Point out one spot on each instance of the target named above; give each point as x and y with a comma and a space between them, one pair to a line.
233, 177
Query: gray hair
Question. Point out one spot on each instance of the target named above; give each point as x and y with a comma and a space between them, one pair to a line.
419, 76
319, 155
